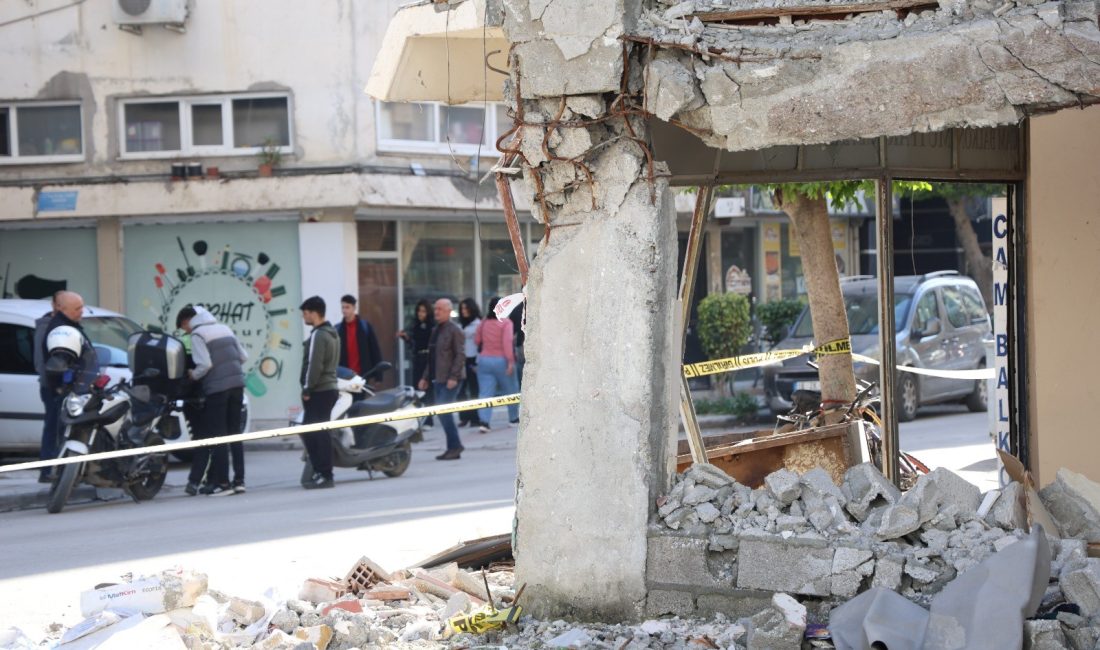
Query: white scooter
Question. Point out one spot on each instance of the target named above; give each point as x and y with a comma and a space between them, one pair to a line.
385, 447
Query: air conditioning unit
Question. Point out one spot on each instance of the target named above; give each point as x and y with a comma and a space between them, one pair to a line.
149, 12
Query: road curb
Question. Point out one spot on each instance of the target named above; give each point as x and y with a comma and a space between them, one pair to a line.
34, 499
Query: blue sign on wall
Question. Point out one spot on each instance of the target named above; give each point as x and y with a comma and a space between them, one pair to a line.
57, 201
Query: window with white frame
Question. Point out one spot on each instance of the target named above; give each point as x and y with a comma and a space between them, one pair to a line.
41, 132
437, 128
222, 125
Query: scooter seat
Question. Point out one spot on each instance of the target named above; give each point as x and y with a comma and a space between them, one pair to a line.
381, 403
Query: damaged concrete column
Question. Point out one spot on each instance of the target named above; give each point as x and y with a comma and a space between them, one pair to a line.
600, 382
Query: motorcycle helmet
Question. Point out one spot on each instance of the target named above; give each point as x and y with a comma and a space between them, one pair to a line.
64, 341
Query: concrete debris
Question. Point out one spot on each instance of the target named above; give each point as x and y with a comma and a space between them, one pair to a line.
1074, 502
1044, 635
1082, 587
865, 489
1008, 511
784, 485
780, 627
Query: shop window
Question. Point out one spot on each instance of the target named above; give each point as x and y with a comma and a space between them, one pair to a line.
436, 128
437, 262
499, 272
227, 125
41, 133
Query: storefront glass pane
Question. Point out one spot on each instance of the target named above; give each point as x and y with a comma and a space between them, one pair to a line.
36, 263
376, 236
499, 272
437, 261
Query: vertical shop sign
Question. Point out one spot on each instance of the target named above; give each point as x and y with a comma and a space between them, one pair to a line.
773, 266
1001, 406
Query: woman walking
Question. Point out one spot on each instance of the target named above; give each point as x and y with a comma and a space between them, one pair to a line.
418, 335
469, 318
496, 365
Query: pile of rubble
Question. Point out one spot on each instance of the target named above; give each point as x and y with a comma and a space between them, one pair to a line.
807, 536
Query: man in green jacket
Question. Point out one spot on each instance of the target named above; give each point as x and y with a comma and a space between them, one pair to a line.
319, 359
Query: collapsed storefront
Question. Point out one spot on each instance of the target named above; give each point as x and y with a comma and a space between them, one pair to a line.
614, 103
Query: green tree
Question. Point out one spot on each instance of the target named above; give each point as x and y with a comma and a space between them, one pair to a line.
777, 317
724, 325
807, 206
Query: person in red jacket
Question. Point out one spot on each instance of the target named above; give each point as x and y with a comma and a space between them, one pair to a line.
359, 348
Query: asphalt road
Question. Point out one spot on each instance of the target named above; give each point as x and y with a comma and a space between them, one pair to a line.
276, 535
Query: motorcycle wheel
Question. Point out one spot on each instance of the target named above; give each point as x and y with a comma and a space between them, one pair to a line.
151, 482
396, 463
63, 486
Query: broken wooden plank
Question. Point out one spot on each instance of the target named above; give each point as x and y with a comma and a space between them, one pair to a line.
812, 11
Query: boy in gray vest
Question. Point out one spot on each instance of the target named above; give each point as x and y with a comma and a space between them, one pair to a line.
219, 367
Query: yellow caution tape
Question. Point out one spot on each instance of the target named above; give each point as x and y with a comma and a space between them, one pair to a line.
331, 425
484, 619
839, 346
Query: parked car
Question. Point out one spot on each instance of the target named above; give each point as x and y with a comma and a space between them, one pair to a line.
21, 410
941, 324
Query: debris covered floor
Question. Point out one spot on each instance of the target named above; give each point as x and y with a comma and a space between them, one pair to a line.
799, 562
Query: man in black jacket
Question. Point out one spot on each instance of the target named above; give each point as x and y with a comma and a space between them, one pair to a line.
319, 394
68, 310
358, 344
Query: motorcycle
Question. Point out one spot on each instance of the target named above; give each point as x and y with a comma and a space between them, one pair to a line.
105, 419
131, 414
384, 447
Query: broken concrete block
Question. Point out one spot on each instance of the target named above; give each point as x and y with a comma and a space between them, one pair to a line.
846, 584
707, 512
698, 494
1083, 638
661, 602
780, 627
866, 488
888, 572
678, 560
790, 523
785, 565
947, 519
784, 485
957, 491
245, 612
849, 559
284, 620
1008, 511
321, 590
318, 635
472, 585
897, 521
920, 572
456, 604
925, 498
1082, 587
671, 88
574, 638
1043, 635
818, 481
710, 476
1074, 503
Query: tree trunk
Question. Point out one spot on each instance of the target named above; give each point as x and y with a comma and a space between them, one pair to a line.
978, 265
811, 223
